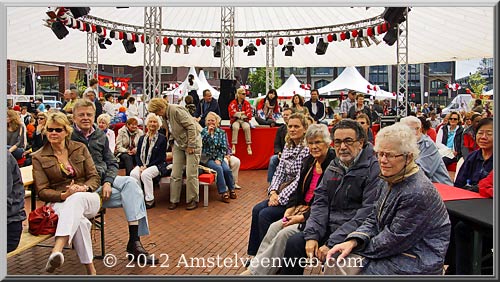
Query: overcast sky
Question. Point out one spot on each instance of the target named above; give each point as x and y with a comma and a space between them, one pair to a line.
463, 68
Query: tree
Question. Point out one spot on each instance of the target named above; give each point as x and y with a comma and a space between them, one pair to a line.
257, 81
477, 82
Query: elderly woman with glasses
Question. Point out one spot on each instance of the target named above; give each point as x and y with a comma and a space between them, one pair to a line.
65, 178
408, 231
298, 208
240, 114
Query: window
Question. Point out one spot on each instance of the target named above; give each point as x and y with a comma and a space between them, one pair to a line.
437, 84
211, 74
295, 71
322, 71
166, 70
441, 68
118, 70
378, 75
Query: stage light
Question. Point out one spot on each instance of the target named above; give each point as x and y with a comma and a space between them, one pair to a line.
353, 43
391, 36
79, 11
359, 41
367, 42
177, 48
395, 15
289, 49
100, 42
250, 49
186, 49
108, 42
167, 47
59, 29
129, 46
217, 49
321, 47
375, 39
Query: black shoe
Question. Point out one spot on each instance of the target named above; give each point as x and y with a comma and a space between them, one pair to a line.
192, 205
150, 204
172, 206
137, 253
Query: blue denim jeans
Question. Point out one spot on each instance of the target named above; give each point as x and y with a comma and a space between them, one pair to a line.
224, 176
126, 193
262, 217
274, 161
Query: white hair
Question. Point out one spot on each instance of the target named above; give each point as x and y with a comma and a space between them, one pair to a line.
401, 137
409, 120
153, 115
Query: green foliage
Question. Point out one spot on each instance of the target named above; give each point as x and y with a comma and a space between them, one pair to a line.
257, 81
477, 83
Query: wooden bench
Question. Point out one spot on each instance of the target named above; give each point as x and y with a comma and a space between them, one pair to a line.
206, 179
28, 241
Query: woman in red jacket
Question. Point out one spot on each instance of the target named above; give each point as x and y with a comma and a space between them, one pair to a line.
240, 114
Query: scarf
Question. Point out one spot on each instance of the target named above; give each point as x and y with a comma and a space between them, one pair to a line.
404, 173
268, 109
145, 158
131, 137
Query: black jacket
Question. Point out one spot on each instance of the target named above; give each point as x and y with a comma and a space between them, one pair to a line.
158, 155
458, 141
320, 114
279, 140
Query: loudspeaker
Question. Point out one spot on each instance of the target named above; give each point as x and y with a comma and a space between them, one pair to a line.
227, 91
59, 30
321, 47
388, 120
394, 15
79, 11
129, 46
217, 49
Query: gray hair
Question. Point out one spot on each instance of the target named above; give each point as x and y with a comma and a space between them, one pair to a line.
104, 117
399, 136
318, 130
216, 116
409, 120
153, 115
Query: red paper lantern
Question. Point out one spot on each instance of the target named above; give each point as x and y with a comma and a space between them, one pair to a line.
342, 36
440, 92
354, 33
165, 40
330, 37
412, 95
142, 38
368, 86
207, 42
393, 93
257, 41
193, 42
306, 40
375, 87
179, 41
369, 31
280, 41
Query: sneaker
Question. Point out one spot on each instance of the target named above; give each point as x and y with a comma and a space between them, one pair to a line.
236, 186
56, 260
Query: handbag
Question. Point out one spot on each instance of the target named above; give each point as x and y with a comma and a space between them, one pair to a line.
42, 221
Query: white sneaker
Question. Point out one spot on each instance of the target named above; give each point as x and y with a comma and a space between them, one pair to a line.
55, 260
236, 186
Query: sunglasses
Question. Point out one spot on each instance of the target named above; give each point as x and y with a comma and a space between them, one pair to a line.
40, 118
453, 118
58, 130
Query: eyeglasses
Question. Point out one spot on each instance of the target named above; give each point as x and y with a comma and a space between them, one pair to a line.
40, 118
58, 130
347, 141
487, 133
453, 119
389, 156
317, 143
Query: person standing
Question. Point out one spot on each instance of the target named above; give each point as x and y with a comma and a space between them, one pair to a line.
185, 133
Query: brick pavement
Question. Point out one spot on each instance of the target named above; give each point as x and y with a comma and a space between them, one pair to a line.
176, 237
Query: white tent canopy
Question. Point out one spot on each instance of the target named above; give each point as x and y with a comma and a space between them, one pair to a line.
181, 90
203, 84
434, 34
351, 79
292, 87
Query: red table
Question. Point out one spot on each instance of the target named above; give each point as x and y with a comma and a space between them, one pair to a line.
450, 193
262, 147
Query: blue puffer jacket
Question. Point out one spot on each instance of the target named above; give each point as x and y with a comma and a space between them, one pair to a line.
408, 231
344, 199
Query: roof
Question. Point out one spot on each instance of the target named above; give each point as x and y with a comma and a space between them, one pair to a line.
434, 34
292, 87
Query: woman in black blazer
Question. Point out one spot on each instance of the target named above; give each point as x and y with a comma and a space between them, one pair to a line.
150, 157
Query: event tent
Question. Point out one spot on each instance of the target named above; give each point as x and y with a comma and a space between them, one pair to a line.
203, 84
351, 79
181, 90
292, 87
435, 34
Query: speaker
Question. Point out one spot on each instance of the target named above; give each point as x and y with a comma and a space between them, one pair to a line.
388, 120
59, 30
227, 91
129, 46
217, 49
394, 15
79, 11
321, 47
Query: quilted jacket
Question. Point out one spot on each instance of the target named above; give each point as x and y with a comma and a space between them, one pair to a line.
407, 232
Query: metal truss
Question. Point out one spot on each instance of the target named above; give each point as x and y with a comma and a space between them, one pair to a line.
152, 53
402, 50
92, 56
269, 64
227, 36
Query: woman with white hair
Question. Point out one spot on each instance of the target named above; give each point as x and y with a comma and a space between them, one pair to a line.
103, 121
150, 157
429, 159
408, 231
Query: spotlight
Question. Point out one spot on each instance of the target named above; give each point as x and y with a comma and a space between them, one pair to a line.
100, 42
321, 47
177, 48
79, 11
360, 42
129, 46
375, 39
367, 42
353, 43
59, 29
186, 49
250, 49
217, 50
289, 49
108, 42
167, 47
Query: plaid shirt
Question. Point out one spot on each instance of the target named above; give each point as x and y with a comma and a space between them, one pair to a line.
346, 105
288, 169
214, 147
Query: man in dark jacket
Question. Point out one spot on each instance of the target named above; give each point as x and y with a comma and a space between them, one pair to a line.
116, 191
208, 104
342, 201
15, 204
279, 144
315, 106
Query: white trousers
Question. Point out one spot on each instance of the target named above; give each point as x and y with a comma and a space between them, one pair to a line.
147, 179
73, 221
234, 165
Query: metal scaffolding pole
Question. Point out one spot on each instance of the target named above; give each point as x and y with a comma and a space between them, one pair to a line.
269, 64
402, 49
227, 36
152, 53
92, 56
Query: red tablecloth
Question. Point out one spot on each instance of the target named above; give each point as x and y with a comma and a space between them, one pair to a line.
262, 147
450, 193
